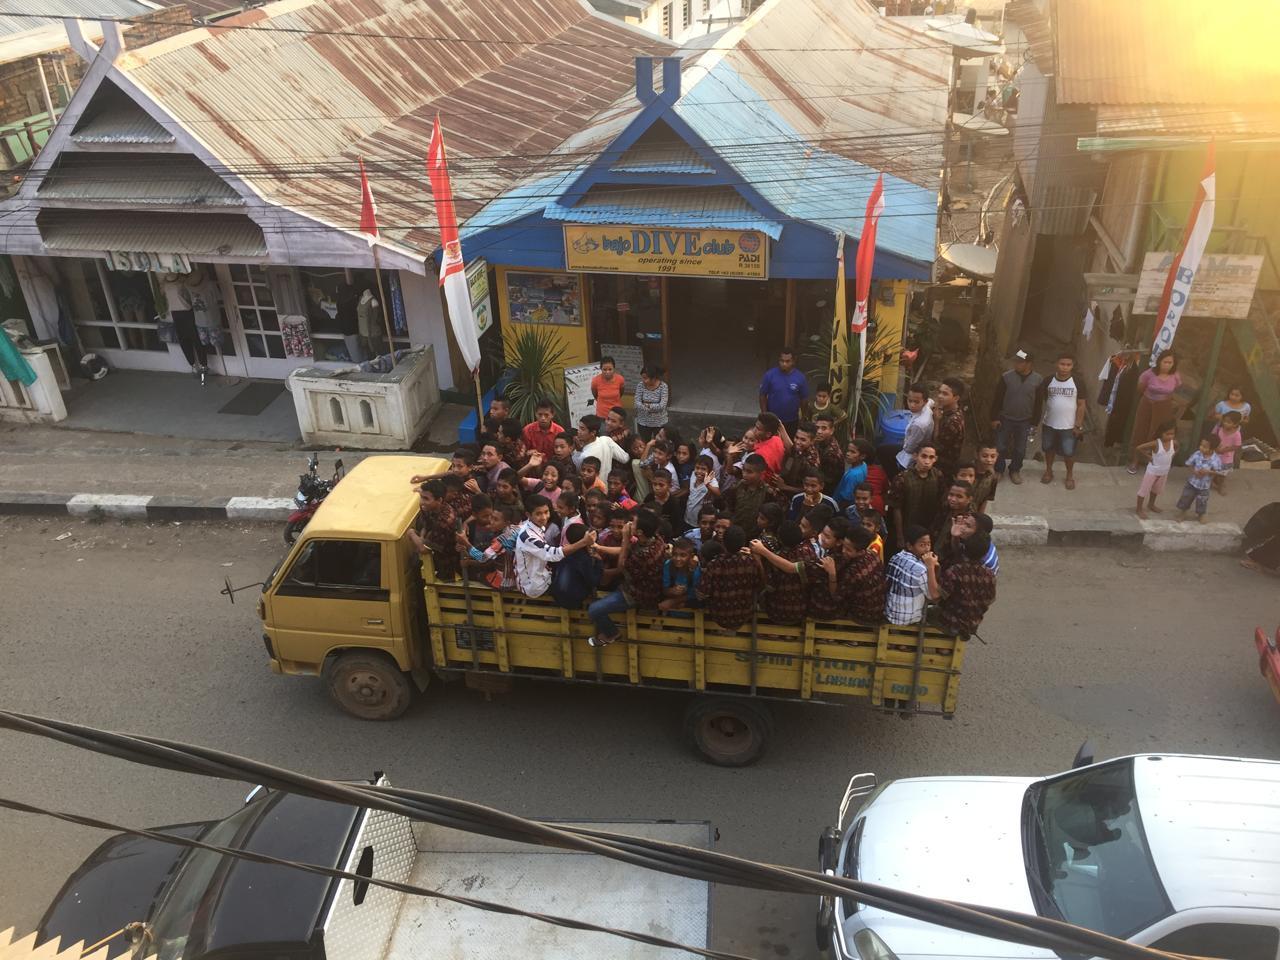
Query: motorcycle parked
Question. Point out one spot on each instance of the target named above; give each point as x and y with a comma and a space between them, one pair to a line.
311, 493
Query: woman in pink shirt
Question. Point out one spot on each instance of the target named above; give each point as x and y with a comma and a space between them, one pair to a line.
1156, 403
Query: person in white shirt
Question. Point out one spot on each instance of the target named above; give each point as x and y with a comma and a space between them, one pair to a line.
534, 552
601, 446
1062, 399
919, 428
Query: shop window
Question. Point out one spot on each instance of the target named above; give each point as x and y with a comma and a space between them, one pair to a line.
666, 20
257, 309
686, 13
322, 289
111, 309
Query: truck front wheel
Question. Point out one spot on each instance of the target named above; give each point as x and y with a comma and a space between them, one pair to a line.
729, 733
369, 685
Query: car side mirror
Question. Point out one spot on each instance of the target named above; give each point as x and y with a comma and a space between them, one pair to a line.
1084, 756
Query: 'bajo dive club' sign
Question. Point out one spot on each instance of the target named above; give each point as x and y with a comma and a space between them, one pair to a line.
594, 248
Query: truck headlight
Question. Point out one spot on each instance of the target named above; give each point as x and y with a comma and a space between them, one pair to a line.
871, 947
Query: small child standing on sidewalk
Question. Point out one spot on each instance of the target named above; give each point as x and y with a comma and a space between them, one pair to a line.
1160, 453
1205, 464
1227, 433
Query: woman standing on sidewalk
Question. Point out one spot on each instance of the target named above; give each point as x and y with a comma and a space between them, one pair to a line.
1156, 404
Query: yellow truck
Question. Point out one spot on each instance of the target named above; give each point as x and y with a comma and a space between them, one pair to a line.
353, 604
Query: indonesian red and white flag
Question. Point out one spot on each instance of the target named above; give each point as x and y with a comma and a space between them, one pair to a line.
1182, 272
453, 272
368, 209
866, 257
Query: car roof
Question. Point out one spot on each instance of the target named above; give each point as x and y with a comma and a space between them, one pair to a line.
374, 500
1213, 826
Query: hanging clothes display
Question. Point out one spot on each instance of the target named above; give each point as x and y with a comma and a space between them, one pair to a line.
1119, 392
348, 300
369, 312
13, 365
206, 305
399, 319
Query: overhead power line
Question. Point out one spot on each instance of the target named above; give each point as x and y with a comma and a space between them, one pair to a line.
707, 865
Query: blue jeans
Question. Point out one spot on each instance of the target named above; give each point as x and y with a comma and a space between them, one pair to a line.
599, 612
1058, 441
1011, 441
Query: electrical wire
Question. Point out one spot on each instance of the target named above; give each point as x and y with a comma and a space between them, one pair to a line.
711, 866
488, 906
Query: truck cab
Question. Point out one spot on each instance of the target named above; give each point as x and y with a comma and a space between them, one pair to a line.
346, 602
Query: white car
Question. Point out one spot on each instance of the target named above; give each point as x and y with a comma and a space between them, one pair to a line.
1176, 852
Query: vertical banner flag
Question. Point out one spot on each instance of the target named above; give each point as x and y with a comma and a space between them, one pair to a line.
453, 274
368, 210
1182, 272
839, 373
862, 268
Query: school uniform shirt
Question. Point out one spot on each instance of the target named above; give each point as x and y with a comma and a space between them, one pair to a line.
830, 463
744, 503
670, 511
642, 573
948, 439
535, 438
862, 587
967, 590
823, 604
919, 498
906, 586
438, 528
728, 589
984, 488
784, 392
787, 599
608, 393
460, 501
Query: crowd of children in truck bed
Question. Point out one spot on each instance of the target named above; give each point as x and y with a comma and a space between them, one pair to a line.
792, 524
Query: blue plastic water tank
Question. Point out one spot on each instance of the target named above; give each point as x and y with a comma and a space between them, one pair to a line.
893, 425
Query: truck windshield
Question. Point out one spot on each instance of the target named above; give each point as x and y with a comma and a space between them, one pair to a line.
1087, 855
170, 924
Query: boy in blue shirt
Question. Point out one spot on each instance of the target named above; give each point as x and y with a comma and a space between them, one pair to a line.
680, 576
855, 472
1204, 465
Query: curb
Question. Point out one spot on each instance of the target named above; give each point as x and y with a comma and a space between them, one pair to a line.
1119, 531
139, 507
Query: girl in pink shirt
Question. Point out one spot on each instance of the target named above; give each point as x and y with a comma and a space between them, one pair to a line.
1229, 443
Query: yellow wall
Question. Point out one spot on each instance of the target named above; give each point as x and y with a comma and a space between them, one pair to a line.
891, 323
576, 340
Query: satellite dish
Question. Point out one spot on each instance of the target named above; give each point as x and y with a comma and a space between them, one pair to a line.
971, 258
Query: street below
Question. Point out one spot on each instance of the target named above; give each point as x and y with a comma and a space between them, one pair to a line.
120, 625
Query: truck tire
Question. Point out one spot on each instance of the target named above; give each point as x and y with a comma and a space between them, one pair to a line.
369, 685
728, 732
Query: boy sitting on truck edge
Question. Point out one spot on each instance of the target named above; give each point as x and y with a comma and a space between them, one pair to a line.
911, 577
534, 555
731, 582
787, 599
862, 585
967, 589
575, 578
435, 529
640, 555
680, 576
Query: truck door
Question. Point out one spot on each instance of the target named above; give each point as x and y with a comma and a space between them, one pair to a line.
335, 594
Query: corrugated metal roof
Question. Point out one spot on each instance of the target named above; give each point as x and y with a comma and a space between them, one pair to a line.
210, 235
672, 156
1033, 20
719, 208
121, 123
1192, 120
97, 9
291, 112
807, 102
166, 180
1167, 51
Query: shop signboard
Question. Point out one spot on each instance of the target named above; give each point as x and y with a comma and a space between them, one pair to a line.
598, 248
478, 285
577, 391
148, 262
1222, 289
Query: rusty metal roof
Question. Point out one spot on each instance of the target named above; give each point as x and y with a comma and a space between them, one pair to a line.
1167, 51
170, 180
197, 235
1197, 121
1032, 19
290, 112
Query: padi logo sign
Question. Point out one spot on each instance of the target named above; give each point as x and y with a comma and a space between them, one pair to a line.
658, 250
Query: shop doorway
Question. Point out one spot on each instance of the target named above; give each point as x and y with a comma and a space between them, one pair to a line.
724, 335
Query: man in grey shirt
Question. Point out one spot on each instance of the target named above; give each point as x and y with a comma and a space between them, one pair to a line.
1012, 410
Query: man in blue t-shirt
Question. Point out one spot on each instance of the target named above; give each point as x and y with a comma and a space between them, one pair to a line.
783, 389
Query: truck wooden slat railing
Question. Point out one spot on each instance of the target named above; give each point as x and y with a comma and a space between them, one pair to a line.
474, 628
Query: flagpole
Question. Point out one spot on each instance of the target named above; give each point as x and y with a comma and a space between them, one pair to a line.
386, 305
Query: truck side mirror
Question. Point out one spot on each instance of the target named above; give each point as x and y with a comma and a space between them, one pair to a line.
1084, 756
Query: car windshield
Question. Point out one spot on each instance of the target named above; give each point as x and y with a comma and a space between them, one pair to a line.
170, 925
1087, 855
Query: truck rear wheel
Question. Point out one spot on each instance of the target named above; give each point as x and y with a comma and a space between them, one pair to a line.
729, 733
369, 686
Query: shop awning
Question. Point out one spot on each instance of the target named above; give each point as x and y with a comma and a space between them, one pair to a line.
720, 208
205, 236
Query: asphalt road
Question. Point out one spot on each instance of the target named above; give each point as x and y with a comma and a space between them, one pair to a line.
121, 626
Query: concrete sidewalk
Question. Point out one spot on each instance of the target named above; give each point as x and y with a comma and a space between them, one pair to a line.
56, 470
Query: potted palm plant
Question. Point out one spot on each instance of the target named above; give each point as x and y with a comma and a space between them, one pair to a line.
534, 358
